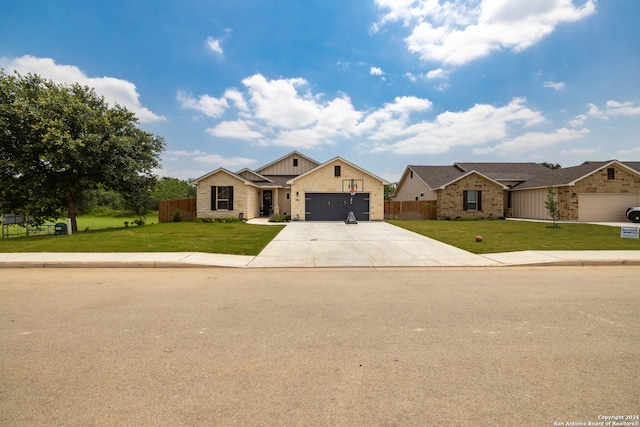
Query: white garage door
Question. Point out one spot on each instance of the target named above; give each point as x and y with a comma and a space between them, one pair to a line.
605, 207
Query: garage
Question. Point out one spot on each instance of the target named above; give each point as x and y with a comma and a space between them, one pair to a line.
335, 206
608, 207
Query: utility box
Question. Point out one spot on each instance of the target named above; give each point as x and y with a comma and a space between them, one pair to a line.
61, 228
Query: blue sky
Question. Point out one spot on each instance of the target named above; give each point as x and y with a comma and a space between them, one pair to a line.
381, 83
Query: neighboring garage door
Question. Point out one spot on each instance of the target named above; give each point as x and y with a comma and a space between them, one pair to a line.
335, 206
605, 207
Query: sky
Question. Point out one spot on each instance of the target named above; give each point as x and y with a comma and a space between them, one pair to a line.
381, 83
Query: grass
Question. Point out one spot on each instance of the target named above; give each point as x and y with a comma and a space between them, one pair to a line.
101, 222
230, 238
108, 234
86, 223
510, 236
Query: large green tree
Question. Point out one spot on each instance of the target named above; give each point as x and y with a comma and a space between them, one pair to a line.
59, 141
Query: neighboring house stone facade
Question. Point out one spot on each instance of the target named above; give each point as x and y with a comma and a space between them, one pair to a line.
454, 200
593, 191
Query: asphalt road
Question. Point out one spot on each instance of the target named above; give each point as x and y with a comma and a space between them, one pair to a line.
332, 347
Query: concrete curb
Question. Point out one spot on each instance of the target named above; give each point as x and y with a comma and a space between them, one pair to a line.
160, 264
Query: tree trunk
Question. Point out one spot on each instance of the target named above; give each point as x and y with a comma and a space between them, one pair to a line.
71, 212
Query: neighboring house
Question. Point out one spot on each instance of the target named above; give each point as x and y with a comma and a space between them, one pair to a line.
293, 185
593, 191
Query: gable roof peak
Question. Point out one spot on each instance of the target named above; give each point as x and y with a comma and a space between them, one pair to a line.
286, 156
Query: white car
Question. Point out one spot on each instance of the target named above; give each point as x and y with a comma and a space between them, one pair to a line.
633, 214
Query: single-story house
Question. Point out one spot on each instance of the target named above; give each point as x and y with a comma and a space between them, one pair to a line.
294, 185
593, 191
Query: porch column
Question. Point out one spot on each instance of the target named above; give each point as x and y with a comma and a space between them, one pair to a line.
276, 208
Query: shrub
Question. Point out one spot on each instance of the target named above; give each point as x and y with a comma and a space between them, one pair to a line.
280, 218
177, 216
141, 220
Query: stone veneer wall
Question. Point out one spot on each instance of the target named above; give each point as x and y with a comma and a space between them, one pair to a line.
245, 198
324, 181
450, 200
624, 182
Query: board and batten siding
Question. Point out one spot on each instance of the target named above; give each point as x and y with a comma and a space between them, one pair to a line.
529, 204
285, 167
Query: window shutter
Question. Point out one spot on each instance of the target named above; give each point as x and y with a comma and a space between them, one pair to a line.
464, 200
230, 198
214, 198
479, 201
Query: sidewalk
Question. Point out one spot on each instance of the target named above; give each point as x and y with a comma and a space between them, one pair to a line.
197, 259
300, 244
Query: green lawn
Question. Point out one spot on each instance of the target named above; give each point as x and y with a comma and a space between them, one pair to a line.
108, 234
229, 238
509, 236
101, 222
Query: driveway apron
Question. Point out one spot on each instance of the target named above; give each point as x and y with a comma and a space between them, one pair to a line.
366, 244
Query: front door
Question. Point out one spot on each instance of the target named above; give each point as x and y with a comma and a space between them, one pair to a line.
267, 203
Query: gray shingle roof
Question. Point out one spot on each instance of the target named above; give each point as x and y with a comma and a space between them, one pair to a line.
532, 175
278, 181
435, 176
561, 176
505, 171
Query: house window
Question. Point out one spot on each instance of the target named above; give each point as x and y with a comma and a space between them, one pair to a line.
288, 196
411, 174
611, 173
295, 163
336, 171
472, 200
222, 198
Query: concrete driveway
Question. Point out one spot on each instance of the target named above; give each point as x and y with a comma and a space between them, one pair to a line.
366, 244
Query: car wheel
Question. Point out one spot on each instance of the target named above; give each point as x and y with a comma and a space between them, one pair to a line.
634, 216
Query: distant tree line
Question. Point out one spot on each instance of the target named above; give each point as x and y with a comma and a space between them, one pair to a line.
105, 201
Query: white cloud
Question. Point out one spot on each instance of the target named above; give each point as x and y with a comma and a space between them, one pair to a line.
114, 90
553, 85
237, 97
594, 111
229, 163
279, 104
204, 157
481, 124
611, 109
535, 141
376, 71
437, 74
238, 129
208, 105
214, 45
633, 153
457, 32
284, 112
615, 108
578, 120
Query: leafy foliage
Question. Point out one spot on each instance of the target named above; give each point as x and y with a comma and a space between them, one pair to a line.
551, 165
58, 142
172, 189
389, 189
552, 206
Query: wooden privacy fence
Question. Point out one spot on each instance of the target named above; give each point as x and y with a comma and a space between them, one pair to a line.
166, 209
413, 209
